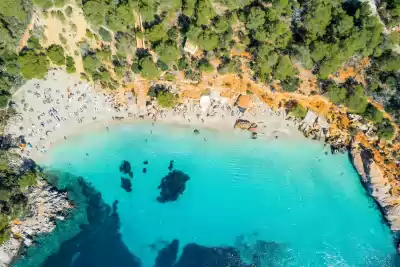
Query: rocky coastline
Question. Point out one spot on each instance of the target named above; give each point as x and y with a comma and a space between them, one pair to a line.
46, 205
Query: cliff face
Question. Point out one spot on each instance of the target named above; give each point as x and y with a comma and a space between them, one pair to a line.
379, 183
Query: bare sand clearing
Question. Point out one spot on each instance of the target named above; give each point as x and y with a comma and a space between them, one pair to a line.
61, 106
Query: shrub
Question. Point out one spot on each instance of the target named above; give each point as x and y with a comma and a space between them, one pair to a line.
161, 64
183, 63
33, 65
295, 109
166, 99
89, 34
4, 221
28, 179
62, 38
192, 75
290, 84
148, 68
5, 195
105, 35
373, 114
385, 130
70, 65
5, 235
56, 54
69, 11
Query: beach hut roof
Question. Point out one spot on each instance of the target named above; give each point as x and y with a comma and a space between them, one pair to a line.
310, 118
244, 101
205, 102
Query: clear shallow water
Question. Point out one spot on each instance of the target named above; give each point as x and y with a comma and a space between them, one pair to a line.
309, 208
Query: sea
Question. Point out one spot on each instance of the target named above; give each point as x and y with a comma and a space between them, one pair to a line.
165, 196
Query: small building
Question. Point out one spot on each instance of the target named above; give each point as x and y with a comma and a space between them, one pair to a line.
205, 102
243, 102
190, 47
323, 123
310, 118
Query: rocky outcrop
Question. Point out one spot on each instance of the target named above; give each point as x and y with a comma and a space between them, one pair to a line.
46, 205
244, 124
378, 183
172, 186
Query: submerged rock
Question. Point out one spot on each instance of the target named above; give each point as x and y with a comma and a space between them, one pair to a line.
195, 255
125, 168
172, 185
171, 165
126, 184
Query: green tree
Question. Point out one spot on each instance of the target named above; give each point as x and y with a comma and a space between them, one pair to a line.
95, 11
148, 68
91, 64
33, 65
121, 18
183, 63
373, 114
255, 18
317, 17
221, 24
189, 7
70, 64
205, 66
13, 8
385, 130
207, 40
337, 94
284, 68
156, 33
389, 62
56, 54
28, 179
44, 3
105, 35
295, 109
357, 101
204, 13
166, 99
167, 51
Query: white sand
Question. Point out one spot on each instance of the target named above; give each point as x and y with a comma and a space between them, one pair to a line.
47, 115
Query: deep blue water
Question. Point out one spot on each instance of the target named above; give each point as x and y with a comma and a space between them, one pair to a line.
247, 202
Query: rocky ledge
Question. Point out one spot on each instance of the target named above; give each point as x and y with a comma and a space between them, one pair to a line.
46, 205
379, 183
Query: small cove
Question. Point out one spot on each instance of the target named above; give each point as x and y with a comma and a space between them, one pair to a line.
306, 207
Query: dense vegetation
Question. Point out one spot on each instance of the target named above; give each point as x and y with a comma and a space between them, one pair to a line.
14, 181
279, 36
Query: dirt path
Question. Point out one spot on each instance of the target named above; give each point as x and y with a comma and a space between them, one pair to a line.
25, 37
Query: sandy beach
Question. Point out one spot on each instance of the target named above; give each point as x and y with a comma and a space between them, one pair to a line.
61, 106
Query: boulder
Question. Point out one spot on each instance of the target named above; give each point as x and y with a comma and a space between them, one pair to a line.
242, 124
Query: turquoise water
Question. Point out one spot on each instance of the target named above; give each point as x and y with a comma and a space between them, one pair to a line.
307, 206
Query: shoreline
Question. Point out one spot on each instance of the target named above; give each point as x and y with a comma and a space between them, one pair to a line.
77, 108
